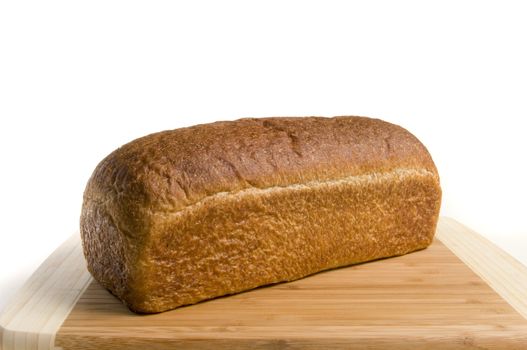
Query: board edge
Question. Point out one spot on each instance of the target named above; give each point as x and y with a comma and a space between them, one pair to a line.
501, 271
34, 315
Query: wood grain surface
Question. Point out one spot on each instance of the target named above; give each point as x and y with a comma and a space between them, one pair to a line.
32, 318
430, 299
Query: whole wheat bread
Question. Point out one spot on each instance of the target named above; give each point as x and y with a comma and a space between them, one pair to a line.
180, 216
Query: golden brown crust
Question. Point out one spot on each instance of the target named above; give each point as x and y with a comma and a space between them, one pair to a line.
189, 214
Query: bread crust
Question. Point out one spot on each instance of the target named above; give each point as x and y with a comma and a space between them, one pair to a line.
189, 214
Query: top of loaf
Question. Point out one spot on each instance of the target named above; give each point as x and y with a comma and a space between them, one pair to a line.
170, 170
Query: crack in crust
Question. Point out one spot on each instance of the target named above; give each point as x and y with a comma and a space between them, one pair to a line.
295, 145
181, 186
371, 178
236, 172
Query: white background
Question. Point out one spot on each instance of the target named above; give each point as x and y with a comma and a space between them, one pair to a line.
78, 79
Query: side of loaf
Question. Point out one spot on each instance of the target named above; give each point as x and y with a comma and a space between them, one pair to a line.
185, 215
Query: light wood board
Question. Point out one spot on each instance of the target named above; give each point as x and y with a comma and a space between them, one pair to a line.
460, 293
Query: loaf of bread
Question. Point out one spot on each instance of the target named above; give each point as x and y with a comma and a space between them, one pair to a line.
185, 215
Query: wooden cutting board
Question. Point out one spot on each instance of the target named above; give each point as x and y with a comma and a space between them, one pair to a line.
460, 293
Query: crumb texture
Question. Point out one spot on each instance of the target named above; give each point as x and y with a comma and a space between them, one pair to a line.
185, 215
